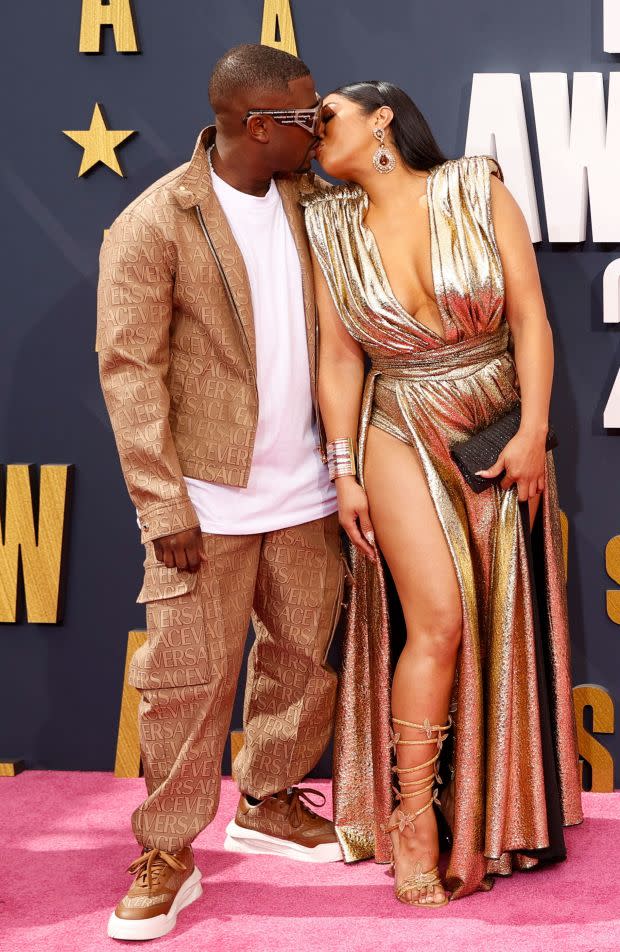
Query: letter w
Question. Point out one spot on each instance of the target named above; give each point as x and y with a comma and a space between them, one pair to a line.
579, 152
41, 548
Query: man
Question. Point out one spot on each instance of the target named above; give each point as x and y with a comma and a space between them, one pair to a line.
208, 362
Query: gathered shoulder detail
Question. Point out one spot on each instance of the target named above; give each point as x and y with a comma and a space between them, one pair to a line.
476, 161
464, 183
469, 166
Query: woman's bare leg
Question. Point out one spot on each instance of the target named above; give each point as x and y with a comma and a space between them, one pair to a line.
534, 504
413, 543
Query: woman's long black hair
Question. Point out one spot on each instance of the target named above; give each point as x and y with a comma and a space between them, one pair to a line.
410, 130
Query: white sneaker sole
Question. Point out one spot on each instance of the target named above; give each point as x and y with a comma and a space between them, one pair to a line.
241, 840
158, 925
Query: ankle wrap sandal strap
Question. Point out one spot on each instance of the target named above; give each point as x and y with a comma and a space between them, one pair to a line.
429, 729
416, 786
408, 789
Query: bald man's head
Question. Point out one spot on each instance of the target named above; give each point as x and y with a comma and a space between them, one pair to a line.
247, 83
249, 68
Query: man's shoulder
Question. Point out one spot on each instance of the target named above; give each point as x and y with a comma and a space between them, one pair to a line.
150, 205
302, 184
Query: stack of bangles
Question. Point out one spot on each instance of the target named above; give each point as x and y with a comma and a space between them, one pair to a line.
341, 458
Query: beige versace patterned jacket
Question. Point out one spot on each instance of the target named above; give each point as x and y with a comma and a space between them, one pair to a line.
175, 337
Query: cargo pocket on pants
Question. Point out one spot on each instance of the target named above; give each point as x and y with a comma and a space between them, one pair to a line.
175, 654
162, 582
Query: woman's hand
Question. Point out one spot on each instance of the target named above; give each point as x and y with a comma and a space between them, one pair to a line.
353, 509
523, 458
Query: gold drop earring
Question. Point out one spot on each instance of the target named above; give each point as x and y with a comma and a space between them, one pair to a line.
383, 160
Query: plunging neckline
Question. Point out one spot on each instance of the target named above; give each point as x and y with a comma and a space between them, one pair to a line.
383, 273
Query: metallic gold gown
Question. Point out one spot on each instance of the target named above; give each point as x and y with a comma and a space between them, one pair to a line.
513, 758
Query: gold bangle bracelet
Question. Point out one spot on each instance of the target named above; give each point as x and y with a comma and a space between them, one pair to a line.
341, 458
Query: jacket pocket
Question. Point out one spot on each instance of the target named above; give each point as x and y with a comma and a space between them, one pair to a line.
162, 582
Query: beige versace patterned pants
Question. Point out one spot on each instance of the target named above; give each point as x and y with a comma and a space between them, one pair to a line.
290, 582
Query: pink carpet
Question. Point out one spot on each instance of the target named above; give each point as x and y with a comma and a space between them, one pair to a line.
67, 842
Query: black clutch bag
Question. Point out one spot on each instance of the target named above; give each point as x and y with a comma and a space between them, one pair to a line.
481, 450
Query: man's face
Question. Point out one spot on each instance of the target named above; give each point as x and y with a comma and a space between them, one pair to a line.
290, 148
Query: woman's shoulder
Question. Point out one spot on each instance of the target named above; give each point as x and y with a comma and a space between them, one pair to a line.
322, 196
468, 166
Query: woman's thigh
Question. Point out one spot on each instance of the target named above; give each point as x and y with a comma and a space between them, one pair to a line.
410, 535
534, 505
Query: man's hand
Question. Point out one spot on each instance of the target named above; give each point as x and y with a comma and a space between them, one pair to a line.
181, 550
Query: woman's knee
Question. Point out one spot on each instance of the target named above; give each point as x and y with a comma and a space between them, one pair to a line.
439, 634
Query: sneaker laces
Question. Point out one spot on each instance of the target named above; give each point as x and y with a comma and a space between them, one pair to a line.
149, 866
300, 796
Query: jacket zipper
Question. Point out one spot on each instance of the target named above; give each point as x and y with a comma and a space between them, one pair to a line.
233, 304
317, 415
229, 293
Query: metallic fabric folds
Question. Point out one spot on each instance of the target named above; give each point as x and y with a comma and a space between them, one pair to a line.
513, 676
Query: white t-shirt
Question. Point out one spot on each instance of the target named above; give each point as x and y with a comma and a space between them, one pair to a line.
288, 483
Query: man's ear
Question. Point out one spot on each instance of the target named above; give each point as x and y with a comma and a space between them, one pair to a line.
257, 128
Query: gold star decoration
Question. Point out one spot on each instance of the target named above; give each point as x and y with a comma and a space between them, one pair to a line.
99, 143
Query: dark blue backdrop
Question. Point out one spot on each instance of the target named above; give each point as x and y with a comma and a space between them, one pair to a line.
60, 685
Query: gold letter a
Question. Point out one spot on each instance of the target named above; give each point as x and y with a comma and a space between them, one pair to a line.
277, 14
117, 13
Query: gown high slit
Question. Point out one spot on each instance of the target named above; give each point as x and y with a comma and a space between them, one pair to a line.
513, 753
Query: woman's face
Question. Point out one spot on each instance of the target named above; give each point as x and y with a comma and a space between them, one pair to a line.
347, 143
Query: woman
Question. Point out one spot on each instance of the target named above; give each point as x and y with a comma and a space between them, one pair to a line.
426, 267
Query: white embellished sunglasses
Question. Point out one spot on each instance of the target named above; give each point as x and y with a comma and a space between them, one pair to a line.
308, 119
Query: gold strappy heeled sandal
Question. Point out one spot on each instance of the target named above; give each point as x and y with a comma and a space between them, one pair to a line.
419, 878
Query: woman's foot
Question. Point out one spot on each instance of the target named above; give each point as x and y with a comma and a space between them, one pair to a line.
416, 852
412, 826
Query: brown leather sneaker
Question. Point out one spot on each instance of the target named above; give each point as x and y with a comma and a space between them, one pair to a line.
284, 826
165, 883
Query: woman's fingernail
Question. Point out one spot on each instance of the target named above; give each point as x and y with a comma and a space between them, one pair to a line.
370, 536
